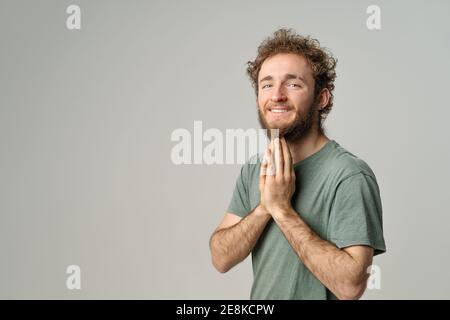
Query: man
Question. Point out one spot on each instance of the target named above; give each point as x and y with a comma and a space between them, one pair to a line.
309, 211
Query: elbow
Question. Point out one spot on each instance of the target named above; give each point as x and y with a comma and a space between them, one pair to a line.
353, 286
222, 268
351, 291
218, 261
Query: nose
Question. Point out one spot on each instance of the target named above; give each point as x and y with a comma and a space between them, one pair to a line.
278, 94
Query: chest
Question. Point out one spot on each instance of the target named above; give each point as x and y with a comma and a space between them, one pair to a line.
312, 200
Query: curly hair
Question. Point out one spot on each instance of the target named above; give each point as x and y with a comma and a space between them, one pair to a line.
321, 61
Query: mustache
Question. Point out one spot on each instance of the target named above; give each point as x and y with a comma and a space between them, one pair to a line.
270, 105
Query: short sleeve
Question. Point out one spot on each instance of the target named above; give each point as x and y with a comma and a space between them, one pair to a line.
356, 214
240, 203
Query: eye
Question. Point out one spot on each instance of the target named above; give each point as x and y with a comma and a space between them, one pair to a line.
295, 85
266, 86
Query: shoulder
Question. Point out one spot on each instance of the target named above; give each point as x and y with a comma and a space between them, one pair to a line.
345, 164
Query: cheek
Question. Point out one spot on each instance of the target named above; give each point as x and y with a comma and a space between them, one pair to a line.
261, 101
302, 98
306, 95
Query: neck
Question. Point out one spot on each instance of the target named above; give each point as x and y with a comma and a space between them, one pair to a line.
307, 145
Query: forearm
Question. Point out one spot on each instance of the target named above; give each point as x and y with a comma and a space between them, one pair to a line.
335, 268
231, 245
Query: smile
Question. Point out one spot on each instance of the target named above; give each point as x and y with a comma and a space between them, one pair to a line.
279, 109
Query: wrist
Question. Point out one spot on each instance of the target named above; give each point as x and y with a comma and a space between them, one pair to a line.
283, 212
261, 211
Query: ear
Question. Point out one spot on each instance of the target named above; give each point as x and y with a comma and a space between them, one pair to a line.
324, 98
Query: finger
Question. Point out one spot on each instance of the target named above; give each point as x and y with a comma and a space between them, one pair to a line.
287, 158
264, 165
263, 172
270, 163
279, 165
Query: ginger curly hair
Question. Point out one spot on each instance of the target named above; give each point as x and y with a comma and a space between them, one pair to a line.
320, 59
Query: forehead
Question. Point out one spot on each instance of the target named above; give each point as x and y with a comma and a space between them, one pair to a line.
286, 63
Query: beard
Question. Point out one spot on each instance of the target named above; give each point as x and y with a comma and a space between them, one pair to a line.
298, 129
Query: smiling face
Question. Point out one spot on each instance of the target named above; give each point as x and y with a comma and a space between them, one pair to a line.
286, 95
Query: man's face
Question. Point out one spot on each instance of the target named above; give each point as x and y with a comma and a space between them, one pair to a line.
286, 95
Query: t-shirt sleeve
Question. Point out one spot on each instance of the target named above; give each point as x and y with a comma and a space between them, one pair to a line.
240, 203
356, 214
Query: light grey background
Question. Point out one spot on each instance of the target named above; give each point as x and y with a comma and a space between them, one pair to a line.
86, 118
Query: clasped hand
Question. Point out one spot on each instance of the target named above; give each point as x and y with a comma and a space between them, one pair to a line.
277, 178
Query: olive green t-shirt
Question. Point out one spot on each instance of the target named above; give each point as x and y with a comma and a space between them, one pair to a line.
336, 194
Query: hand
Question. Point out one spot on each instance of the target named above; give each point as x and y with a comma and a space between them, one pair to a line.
277, 178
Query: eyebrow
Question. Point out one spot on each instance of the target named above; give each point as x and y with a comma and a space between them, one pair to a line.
286, 77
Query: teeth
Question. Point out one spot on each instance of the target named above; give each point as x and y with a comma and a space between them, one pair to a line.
278, 110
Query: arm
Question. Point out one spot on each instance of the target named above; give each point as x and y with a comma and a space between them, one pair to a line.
231, 244
343, 271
